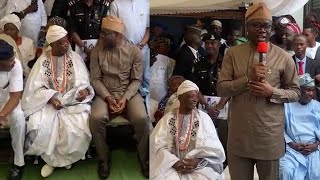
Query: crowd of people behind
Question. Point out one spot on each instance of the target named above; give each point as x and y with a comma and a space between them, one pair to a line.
67, 68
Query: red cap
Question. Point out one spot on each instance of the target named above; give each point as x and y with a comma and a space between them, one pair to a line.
262, 47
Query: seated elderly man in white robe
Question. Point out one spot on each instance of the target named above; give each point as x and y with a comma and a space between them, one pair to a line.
56, 101
184, 145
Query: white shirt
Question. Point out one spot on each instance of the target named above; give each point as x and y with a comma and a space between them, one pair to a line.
48, 4
161, 71
11, 81
28, 53
135, 15
194, 51
2, 9
30, 25
311, 52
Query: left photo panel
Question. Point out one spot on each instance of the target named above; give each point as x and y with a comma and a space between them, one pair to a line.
74, 89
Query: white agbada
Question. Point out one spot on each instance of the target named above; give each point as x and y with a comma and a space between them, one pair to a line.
161, 71
204, 144
60, 137
31, 24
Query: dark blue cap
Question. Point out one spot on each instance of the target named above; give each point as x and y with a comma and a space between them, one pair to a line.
6, 50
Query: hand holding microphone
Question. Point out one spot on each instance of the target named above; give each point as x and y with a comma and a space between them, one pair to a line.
259, 86
260, 69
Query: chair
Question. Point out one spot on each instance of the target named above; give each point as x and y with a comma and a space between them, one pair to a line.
6, 152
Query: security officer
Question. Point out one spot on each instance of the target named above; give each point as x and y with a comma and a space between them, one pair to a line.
84, 19
205, 71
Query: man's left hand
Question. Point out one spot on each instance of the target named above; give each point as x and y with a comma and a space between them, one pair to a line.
2, 120
140, 45
309, 148
191, 162
122, 105
82, 95
213, 111
262, 89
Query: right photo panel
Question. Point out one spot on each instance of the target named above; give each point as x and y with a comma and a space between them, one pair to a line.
233, 90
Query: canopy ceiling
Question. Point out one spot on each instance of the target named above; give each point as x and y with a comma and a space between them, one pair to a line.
278, 7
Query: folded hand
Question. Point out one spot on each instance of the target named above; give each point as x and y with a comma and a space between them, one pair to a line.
56, 103
260, 88
82, 95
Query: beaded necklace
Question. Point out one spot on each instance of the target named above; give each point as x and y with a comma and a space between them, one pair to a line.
184, 146
62, 88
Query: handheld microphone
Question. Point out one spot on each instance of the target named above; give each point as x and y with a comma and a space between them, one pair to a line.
262, 50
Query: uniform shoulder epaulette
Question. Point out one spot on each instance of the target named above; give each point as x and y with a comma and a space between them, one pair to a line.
72, 2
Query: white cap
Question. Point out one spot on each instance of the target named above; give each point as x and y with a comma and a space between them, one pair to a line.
217, 23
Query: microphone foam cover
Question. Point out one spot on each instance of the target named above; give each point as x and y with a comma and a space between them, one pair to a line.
262, 47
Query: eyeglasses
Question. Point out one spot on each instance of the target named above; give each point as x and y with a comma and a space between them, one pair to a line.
104, 33
257, 26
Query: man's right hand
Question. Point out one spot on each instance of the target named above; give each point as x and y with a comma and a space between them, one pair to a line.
112, 104
31, 8
180, 166
259, 72
213, 111
56, 103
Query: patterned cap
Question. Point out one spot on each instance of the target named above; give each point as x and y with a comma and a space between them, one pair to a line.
293, 27
305, 80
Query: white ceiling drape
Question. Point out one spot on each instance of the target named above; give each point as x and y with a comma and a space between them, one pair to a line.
278, 7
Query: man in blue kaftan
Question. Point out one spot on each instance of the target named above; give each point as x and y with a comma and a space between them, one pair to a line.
302, 135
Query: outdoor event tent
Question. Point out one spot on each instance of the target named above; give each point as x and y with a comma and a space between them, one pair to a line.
278, 7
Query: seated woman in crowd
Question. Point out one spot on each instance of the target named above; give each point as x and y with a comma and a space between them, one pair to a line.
170, 101
11, 26
56, 101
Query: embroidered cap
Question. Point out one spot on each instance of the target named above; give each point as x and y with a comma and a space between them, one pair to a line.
257, 11
113, 23
305, 80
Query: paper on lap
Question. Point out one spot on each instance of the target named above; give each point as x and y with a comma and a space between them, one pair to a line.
90, 44
213, 100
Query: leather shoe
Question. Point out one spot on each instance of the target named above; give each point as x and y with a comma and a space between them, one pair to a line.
16, 173
104, 169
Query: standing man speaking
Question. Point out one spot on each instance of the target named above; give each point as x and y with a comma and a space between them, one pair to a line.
258, 91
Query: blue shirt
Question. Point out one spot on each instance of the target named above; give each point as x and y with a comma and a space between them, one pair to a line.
304, 63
